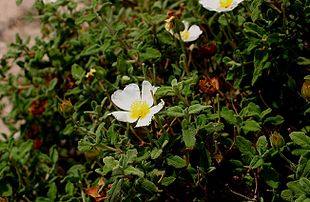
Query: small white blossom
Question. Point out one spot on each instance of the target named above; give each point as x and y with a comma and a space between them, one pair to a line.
137, 105
220, 5
49, 1
190, 33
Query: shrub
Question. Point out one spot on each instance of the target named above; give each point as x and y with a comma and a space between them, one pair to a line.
235, 120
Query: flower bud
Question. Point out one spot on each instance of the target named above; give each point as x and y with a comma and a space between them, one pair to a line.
65, 107
305, 89
277, 141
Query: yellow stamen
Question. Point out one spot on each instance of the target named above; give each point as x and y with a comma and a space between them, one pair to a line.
139, 109
225, 3
185, 35
90, 73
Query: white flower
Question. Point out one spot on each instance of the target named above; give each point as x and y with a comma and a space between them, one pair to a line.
190, 33
138, 105
220, 5
49, 1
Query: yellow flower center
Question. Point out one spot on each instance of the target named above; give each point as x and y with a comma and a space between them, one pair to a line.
225, 3
139, 109
185, 35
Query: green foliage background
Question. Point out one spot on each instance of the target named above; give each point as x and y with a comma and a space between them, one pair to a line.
246, 140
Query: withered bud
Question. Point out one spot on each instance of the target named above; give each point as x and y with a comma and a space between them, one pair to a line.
207, 50
65, 107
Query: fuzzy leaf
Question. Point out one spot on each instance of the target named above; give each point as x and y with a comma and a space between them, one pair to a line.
301, 139
130, 170
175, 111
260, 63
250, 126
261, 145
229, 116
189, 138
150, 53
166, 181
245, 146
176, 161
196, 108
274, 120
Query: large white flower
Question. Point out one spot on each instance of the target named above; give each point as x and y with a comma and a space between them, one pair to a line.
190, 33
138, 105
220, 5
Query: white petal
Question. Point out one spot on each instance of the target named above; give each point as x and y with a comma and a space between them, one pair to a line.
186, 25
214, 5
123, 116
194, 33
148, 92
147, 120
210, 4
124, 98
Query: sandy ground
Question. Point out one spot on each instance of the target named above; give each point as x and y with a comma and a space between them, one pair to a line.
12, 22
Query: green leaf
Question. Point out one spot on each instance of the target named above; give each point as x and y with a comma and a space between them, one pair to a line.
86, 18
270, 176
305, 184
69, 188
52, 84
251, 110
188, 135
149, 185
52, 191
256, 162
255, 9
5, 189
155, 153
262, 145
295, 187
131, 155
260, 63
110, 164
274, 120
85, 145
223, 20
265, 112
196, 108
228, 115
114, 192
303, 168
250, 126
166, 181
303, 61
253, 30
164, 91
176, 161
150, 53
77, 72
53, 153
287, 195
245, 146
301, 139
175, 111
42, 199
130, 170
19, 2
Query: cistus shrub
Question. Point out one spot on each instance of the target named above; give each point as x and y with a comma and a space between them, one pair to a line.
159, 101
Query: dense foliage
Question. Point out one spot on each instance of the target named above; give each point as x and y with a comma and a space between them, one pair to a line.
234, 126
